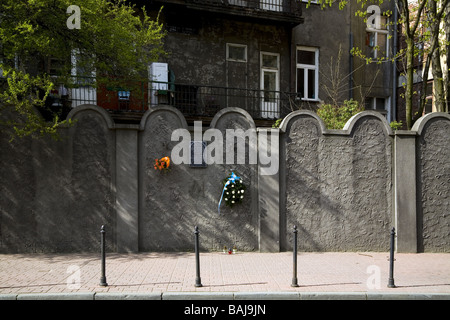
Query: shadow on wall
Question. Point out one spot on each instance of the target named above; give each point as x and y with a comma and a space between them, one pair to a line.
338, 183
55, 195
433, 182
173, 203
335, 185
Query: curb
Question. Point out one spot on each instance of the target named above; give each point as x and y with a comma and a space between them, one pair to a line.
228, 296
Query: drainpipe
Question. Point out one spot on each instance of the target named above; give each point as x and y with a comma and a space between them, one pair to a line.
350, 62
394, 66
350, 71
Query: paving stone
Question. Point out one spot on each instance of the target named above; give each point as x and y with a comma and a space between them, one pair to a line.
334, 275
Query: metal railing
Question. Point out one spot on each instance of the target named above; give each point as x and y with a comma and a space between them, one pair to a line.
268, 5
196, 100
282, 10
191, 100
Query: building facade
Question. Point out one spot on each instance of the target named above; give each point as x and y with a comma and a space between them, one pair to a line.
238, 66
268, 57
228, 54
335, 75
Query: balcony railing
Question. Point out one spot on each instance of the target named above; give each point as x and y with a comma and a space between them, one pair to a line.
269, 5
191, 100
289, 10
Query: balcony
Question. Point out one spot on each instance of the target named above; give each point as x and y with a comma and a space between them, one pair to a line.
196, 102
287, 11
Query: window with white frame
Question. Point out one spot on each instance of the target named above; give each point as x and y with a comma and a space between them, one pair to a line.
81, 72
308, 73
270, 85
236, 52
377, 37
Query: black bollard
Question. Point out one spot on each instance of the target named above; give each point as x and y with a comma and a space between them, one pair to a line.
391, 261
103, 277
198, 281
294, 272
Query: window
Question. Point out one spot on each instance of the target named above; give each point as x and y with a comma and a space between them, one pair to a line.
272, 5
372, 103
55, 66
270, 75
236, 52
377, 39
84, 92
378, 104
270, 85
269, 61
82, 74
241, 3
308, 73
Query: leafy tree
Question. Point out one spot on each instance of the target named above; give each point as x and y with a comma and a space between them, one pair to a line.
421, 22
110, 39
424, 22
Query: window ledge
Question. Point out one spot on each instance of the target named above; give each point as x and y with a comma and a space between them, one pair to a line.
311, 100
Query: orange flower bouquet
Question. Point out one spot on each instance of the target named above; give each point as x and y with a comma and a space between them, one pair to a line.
162, 164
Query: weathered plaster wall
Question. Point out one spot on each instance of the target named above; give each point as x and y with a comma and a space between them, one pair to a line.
433, 173
338, 184
203, 49
173, 203
55, 195
344, 189
17, 195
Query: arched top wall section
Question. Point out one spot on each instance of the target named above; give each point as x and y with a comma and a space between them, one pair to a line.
433, 181
348, 129
421, 124
332, 177
84, 109
233, 118
165, 114
293, 116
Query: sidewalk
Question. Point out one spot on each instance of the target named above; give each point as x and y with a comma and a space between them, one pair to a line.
361, 275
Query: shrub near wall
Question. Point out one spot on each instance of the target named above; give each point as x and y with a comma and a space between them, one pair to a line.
335, 117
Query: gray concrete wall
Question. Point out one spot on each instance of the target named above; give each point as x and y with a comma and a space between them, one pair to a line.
172, 203
55, 195
344, 189
405, 190
433, 182
338, 188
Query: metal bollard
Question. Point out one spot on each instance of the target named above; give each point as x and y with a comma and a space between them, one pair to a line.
103, 276
391, 261
198, 281
294, 272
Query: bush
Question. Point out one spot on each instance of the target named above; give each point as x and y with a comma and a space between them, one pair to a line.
335, 117
277, 123
396, 125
